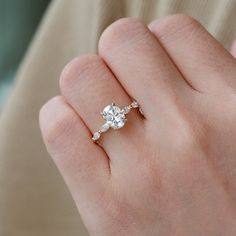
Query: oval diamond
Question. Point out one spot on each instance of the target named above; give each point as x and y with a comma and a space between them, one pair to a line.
114, 116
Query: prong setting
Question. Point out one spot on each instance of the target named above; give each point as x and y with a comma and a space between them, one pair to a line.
115, 118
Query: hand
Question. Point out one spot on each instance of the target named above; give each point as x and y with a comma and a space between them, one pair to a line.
171, 172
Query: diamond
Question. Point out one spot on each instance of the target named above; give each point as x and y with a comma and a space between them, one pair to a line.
96, 136
134, 104
114, 116
105, 127
127, 109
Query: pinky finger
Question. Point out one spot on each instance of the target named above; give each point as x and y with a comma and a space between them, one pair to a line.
83, 165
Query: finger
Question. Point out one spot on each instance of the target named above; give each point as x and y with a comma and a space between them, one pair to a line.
202, 60
89, 86
142, 66
83, 165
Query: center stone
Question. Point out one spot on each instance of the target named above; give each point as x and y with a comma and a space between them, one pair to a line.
114, 116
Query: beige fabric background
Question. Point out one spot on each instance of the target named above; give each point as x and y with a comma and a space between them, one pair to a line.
33, 197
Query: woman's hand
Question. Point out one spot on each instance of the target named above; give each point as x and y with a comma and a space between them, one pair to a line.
171, 172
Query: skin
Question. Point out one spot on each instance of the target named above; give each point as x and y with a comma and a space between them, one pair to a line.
233, 49
171, 172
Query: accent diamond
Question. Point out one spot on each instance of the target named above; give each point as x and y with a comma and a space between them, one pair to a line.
134, 104
127, 109
96, 136
105, 127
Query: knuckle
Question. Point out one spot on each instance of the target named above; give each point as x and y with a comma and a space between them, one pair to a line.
181, 19
186, 133
120, 31
190, 138
174, 24
59, 126
77, 69
186, 140
151, 175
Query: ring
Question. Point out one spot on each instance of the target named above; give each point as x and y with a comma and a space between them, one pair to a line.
115, 118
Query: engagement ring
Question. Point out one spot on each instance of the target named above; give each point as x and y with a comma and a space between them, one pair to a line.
115, 118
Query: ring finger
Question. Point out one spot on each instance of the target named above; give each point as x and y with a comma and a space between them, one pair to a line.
88, 85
